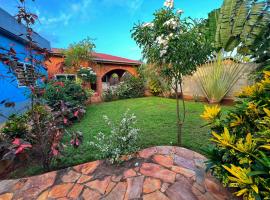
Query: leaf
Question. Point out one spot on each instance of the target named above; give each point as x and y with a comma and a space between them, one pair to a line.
255, 173
16, 141
241, 192
266, 146
267, 111
255, 188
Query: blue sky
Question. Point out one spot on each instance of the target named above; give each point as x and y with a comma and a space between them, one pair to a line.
108, 22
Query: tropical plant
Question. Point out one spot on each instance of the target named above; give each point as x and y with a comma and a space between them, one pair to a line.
175, 47
242, 24
120, 142
11, 152
78, 53
240, 157
15, 127
217, 77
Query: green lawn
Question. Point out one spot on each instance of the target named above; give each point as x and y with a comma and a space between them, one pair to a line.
156, 119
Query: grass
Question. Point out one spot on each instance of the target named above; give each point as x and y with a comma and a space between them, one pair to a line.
156, 117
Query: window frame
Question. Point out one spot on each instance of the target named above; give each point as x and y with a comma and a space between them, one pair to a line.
66, 76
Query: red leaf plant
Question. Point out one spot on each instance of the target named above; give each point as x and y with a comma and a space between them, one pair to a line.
20, 145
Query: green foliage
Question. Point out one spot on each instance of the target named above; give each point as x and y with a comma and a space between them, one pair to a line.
108, 95
155, 87
78, 53
67, 91
165, 45
131, 87
241, 154
87, 75
121, 141
16, 127
242, 24
217, 77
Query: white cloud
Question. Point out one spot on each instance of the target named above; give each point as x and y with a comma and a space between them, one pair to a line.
60, 18
63, 17
131, 5
81, 7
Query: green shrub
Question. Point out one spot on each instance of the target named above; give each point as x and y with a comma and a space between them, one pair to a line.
241, 155
108, 95
155, 87
120, 142
131, 87
16, 127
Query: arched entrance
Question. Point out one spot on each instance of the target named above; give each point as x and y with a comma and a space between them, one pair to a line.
113, 78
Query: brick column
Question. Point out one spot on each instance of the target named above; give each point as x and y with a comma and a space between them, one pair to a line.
99, 85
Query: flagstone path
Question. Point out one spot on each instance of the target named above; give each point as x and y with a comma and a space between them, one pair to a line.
158, 173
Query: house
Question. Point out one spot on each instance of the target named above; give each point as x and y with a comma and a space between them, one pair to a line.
105, 66
13, 87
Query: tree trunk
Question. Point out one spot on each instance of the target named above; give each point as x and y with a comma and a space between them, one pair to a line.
178, 121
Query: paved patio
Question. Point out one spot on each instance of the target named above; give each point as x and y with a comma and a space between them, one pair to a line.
157, 173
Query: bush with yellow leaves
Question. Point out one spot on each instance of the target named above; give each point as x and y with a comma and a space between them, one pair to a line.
240, 157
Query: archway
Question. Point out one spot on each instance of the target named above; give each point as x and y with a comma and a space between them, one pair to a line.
113, 78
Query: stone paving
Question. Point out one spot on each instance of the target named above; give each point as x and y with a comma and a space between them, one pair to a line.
157, 173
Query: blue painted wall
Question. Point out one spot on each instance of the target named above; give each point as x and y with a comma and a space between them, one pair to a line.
10, 90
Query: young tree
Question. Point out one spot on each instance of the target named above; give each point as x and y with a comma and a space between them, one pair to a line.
78, 53
176, 47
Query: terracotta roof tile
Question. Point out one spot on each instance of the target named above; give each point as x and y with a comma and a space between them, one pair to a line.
102, 57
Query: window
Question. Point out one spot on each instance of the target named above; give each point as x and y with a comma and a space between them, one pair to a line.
25, 74
64, 77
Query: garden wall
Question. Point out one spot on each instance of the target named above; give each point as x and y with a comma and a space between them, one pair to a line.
192, 89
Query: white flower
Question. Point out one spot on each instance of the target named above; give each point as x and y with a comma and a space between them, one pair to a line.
163, 52
150, 25
172, 23
179, 12
169, 4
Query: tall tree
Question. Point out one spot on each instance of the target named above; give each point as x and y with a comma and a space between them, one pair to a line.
175, 47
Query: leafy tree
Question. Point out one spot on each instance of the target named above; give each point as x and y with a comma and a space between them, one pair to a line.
175, 47
78, 53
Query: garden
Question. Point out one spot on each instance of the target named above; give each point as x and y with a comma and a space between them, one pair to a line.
63, 128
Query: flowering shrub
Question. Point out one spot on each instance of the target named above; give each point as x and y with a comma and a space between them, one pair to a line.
131, 87
121, 140
67, 101
241, 155
67, 91
87, 75
109, 95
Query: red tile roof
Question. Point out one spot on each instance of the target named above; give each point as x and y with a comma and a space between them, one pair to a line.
101, 57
